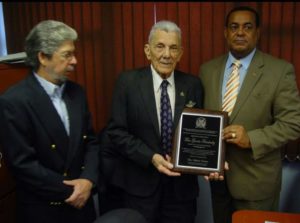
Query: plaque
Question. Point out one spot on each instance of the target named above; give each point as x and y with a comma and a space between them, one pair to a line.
198, 145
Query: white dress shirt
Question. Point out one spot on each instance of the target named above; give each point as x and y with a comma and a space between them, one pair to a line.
157, 80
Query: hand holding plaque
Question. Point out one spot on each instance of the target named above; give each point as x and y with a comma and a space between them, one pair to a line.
198, 145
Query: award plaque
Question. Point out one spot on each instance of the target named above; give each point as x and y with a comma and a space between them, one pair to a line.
198, 145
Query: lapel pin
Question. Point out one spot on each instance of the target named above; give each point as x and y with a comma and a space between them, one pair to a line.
190, 104
182, 94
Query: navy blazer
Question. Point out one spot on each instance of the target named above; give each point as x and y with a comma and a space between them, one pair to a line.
36, 145
134, 129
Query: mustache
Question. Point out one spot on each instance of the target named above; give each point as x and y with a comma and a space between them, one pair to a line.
70, 68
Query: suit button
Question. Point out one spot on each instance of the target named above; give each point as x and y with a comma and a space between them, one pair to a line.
82, 167
53, 146
84, 136
65, 174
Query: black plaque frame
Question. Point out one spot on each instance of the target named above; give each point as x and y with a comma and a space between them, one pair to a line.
198, 145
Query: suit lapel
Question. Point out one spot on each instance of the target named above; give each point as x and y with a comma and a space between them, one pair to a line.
48, 115
217, 81
147, 93
74, 108
253, 75
213, 93
180, 98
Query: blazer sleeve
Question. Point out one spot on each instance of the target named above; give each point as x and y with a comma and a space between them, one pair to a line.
286, 115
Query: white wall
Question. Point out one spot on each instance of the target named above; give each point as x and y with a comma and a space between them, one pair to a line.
3, 50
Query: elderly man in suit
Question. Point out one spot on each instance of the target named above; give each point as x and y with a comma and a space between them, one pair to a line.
47, 135
143, 170
264, 116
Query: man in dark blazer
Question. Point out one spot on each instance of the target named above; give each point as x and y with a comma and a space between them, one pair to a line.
142, 171
47, 135
266, 115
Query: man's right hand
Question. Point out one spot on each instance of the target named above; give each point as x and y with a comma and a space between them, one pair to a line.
164, 165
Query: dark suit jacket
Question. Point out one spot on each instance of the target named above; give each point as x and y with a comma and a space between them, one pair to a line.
268, 106
135, 131
37, 147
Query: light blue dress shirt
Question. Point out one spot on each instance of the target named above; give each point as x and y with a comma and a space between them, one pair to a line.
245, 62
55, 93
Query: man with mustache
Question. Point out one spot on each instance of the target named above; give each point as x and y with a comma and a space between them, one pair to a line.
46, 133
263, 116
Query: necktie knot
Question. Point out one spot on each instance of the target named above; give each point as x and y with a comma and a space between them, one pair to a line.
236, 64
164, 84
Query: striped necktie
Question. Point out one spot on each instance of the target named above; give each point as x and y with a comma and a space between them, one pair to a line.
232, 87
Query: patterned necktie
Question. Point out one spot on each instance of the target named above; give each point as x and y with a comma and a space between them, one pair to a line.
165, 119
232, 86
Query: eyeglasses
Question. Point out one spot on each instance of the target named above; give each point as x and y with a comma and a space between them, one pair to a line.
68, 55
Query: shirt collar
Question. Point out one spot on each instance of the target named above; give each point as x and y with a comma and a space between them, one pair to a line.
157, 80
244, 61
51, 89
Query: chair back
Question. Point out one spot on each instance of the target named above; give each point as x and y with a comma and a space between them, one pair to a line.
289, 194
